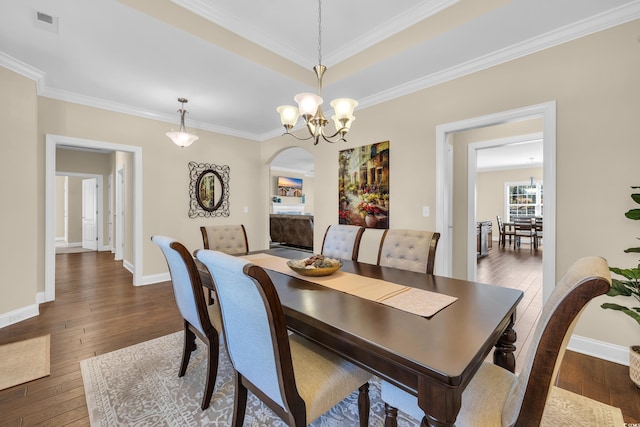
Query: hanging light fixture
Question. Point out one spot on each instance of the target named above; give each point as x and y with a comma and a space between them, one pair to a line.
310, 106
182, 138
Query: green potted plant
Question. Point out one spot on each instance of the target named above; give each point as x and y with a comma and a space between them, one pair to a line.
629, 287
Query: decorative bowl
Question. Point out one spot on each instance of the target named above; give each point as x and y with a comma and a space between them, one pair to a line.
315, 266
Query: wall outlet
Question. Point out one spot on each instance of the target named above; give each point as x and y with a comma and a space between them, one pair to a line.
425, 211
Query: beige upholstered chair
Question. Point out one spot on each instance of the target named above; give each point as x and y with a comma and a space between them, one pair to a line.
413, 250
342, 241
369, 248
199, 319
230, 239
496, 397
295, 377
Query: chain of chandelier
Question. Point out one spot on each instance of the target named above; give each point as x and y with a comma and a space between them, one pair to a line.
310, 106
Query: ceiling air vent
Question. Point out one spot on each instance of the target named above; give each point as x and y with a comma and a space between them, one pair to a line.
47, 22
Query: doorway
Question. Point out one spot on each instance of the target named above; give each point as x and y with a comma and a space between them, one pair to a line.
51, 144
444, 186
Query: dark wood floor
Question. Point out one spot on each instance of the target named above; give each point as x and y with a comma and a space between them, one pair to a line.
592, 377
97, 310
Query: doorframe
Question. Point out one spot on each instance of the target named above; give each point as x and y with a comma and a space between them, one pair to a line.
51, 144
444, 184
119, 237
472, 199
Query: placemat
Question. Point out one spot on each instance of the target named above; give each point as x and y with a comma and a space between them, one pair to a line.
416, 301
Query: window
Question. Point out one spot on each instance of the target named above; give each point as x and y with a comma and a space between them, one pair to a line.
523, 199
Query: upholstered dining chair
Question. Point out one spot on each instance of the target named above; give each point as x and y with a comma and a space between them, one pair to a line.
200, 319
495, 396
413, 250
230, 239
296, 378
342, 241
369, 247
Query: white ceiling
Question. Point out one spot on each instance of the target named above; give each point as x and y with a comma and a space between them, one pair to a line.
237, 60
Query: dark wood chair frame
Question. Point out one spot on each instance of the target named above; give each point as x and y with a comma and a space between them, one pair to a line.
526, 228
549, 347
294, 413
503, 232
356, 243
210, 336
432, 250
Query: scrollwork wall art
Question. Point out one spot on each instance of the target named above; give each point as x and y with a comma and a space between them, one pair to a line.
208, 190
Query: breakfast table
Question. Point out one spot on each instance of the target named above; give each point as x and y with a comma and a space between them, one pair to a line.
367, 314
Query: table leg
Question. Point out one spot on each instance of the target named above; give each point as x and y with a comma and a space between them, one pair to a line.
440, 411
503, 353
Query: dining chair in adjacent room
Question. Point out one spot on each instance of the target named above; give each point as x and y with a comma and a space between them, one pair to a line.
413, 250
525, 227
295, 377
200, 319
504, 232
497, 397
230, 239
342, 241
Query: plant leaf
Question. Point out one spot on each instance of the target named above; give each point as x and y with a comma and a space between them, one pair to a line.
633, 214
618, 287
636, 197
625, 310
628, 273
632, 250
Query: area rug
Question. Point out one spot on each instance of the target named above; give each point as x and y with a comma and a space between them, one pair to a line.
24, 361
139, 386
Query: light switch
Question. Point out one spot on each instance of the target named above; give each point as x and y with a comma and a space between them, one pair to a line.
425, 211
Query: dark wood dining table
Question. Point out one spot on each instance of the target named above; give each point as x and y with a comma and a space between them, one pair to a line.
433, 358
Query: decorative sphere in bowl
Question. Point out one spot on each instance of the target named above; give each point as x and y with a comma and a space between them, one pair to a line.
317, 265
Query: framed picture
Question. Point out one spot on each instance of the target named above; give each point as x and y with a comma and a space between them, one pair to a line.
363, 186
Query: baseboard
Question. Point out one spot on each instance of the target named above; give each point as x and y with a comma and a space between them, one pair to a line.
19, 315
126, 264
74, 245
40, 298
155, 278
104, 248
61, 242
600, 349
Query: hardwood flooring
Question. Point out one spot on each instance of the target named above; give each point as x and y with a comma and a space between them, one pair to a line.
589, 376
97, 310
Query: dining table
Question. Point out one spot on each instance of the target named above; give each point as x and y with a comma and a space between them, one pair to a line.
432, 357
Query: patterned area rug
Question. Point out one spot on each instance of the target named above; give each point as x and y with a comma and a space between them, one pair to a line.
139, 386
24, 361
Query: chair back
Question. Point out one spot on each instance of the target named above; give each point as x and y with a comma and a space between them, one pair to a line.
587, 278
187, 287
253, 322
230, 239
342, 241
412, 250
500, 224
369, 247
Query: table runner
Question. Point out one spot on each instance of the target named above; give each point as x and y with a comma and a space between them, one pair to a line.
416, 301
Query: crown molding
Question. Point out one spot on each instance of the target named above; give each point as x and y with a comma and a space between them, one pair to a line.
23, 69
594, 24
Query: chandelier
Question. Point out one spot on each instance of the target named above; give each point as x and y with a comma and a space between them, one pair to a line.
310, 106
182, 138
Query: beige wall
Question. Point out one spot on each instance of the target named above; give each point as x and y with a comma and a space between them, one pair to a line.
19, 179
595, 87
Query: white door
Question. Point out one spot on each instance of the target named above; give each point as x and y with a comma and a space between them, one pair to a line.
89, 214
